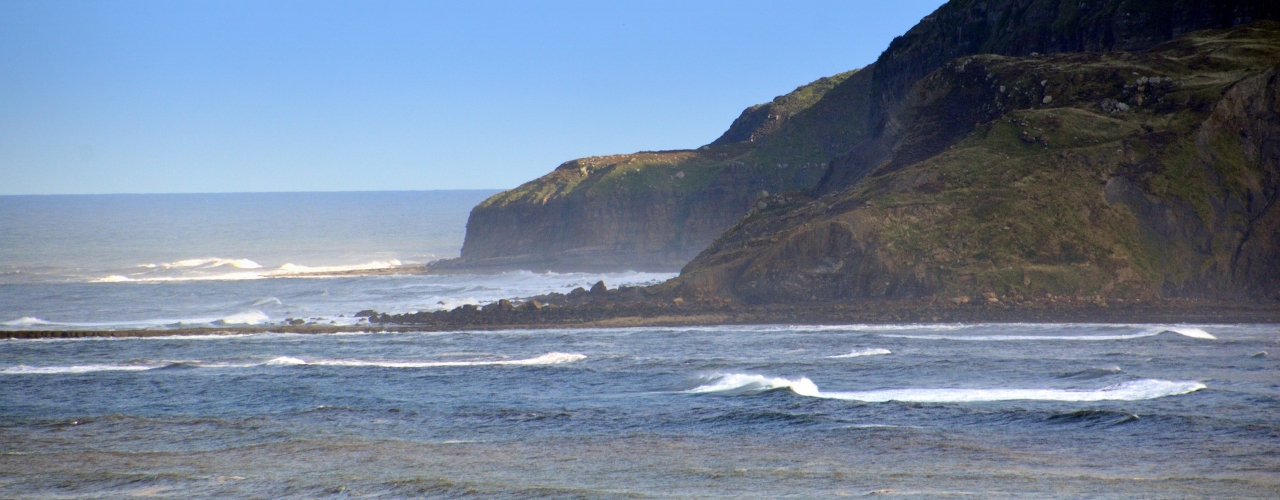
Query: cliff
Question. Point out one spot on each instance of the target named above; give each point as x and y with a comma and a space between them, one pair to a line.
1015, 28
1106, 176
657, 210
997, 151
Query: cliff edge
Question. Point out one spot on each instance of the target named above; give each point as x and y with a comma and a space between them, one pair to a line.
1106, 176
655, 210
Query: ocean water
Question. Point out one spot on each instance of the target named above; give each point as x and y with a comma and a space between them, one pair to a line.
1044, 411
192, 260
765, 411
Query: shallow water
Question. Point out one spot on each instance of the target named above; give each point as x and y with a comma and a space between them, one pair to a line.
1105, 411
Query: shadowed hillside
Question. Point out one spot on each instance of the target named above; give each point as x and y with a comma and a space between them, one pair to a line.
656, 210
999, 152
1101, 174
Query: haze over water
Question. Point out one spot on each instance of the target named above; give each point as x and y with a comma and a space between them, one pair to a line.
173, 260
767, 411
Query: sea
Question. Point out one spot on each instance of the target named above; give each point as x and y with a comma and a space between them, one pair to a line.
953, 410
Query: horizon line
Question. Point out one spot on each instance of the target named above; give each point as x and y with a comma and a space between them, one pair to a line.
257, 192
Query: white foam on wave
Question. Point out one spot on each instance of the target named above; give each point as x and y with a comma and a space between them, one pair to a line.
207, 262
115, 278
870, 328
551, 358
285, 360
745, 382
53, 370
857, 353
197, 270
1128, 391
291, 268
1195, 333
26, 321
253, 317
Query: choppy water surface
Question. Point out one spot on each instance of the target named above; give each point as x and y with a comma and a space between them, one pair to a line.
764, 411
1124, 411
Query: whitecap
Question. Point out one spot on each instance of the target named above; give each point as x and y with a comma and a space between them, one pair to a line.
252, 317
857, 353
740, 382
1196, 333
237, 276
26, 321
1127, 391
551, 358
208, 262
291, 268
53, 370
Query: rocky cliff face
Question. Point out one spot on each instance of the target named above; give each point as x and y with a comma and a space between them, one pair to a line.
999, 149
1016, 28
1112, 175
657, 210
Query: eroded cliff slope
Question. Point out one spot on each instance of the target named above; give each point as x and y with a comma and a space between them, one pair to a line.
657, 210
1107, 175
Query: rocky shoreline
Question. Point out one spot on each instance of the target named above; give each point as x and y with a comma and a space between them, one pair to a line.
630, 307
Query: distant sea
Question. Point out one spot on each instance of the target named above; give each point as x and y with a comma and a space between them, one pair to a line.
183, 260
734, 411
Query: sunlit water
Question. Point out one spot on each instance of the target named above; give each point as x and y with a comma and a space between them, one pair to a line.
1093, 411
184, 260
975, 411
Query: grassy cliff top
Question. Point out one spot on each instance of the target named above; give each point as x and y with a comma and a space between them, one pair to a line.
1110, 175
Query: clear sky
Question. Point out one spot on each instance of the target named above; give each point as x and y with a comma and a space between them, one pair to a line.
224, 96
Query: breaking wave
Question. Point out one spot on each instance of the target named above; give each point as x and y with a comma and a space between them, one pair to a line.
368, 266
1195, 333
551, 358
253, 317
857, 353
51, 370
26, 321
116, 278
1127, 391
208, 262
198, 270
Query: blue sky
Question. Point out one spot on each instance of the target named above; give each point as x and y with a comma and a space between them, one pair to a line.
230, 96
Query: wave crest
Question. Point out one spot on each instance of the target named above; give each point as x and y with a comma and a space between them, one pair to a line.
291, 268
551, 358
1128, 391
857, 353
253, 317
26, 321
208, 262
1195, 333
